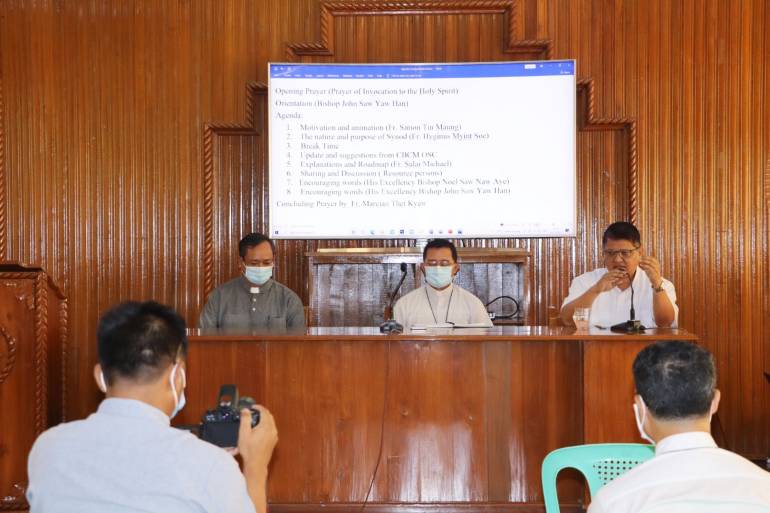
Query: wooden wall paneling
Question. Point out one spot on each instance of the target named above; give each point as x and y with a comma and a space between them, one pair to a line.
354, 294
350, 22
234, 178
99, 99
102, 174
766, 344
353, 288
3, 189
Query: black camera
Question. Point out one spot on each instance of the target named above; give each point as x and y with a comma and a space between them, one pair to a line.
220, 425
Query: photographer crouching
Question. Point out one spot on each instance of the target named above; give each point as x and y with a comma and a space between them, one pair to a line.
126, 456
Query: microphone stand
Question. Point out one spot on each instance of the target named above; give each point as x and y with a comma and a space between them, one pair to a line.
391, 325
632, 325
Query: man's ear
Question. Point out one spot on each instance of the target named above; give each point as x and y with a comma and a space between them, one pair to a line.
98, 377
455, 269
715, 401
422, 267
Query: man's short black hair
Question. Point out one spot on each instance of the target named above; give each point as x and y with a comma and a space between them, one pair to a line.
676, 379
622, 231
251, 240
438, 244
139, 340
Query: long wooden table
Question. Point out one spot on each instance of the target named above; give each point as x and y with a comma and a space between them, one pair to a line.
445, 420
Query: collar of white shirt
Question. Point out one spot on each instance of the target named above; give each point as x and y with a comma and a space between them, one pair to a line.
133, 408
440, 293
685, 442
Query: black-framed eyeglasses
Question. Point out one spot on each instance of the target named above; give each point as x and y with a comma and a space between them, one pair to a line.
625, 254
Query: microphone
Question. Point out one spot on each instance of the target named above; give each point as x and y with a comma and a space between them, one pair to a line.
632, 325
390, 325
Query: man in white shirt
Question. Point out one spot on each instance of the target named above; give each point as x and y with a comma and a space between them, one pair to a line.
126, 457
676, 397
608, 291
440, 302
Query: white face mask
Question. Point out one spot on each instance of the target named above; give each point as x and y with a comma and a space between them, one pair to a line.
438, 276
102, 383
179, 400
258, 275
640, 423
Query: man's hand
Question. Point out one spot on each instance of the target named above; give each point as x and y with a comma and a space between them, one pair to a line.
256, 445
611, 279
651, 267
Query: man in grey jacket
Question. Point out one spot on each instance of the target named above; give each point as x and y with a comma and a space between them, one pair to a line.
254, 300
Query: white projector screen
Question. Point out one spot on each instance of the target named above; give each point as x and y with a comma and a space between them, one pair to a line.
422, 150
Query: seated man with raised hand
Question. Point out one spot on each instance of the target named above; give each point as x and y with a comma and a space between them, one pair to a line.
607, 291
676, 397
126, 457
254, 300
440, 301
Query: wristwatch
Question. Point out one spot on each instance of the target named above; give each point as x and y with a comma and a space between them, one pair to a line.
659, 288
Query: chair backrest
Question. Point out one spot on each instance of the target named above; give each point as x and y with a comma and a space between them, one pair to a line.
599, 463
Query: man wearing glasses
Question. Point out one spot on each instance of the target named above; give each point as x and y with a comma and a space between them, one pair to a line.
440, 302
607, 291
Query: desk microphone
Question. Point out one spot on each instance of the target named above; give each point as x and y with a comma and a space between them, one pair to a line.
632, 325
390, 325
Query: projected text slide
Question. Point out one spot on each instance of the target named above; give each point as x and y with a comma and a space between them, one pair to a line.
400, 151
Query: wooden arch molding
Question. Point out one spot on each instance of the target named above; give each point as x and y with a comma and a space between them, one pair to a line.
256, 99
7, 362
540, 48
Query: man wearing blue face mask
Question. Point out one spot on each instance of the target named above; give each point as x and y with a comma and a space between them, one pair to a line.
254, 300
126, 456
676, 398
440, 301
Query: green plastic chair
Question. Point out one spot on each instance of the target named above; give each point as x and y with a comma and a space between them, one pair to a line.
599, 463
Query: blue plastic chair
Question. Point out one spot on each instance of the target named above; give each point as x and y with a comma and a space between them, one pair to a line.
599, 463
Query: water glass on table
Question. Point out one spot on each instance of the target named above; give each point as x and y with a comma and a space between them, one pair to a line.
580, 316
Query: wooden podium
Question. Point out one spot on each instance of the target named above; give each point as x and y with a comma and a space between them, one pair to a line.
33, 334
352, 286
447, 421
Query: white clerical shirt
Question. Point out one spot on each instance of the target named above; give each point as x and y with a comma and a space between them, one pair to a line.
427, 306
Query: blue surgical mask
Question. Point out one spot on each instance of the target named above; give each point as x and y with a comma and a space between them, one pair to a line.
179, 399
438, 276
258, 275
